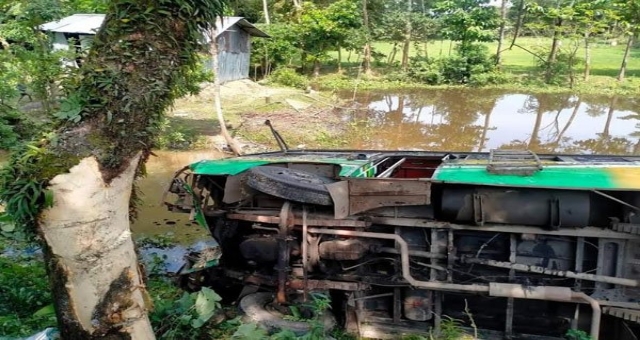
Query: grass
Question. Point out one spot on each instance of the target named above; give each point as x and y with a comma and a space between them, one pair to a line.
518, 63
605, 59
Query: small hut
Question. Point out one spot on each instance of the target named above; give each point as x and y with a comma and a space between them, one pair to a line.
233, 35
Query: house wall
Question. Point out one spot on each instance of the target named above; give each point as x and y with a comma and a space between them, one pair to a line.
234, 54
61, 43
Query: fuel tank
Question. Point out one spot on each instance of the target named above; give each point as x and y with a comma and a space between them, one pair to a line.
552, 209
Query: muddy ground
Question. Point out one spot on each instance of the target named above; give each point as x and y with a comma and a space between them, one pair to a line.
306, 119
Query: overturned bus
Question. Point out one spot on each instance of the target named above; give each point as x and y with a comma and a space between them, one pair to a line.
514, 244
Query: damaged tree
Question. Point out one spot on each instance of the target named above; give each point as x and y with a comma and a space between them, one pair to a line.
73, 187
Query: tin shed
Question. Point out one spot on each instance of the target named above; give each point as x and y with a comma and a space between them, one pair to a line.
233, 35
234, 47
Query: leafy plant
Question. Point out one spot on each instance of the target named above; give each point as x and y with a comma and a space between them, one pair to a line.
183, 318
576, 334
25, 302
288, 77
250, 331
71, 108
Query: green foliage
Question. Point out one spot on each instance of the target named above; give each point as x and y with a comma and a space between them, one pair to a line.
174, 136
289, 77
559, 71
467, 21
251, 331
279, 50
576, 334
319, 30
71, 108
469, 65
450, 329
21, 192
182, 318
25, 302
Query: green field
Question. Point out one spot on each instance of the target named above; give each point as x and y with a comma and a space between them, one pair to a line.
605, 59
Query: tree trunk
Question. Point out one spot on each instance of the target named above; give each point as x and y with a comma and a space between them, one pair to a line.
587, 57
407, 37
366, 63
551, 60
97, 288
217, 102
316, 68
265, 9
503, 23
91, 256
623, 67
392, 56
339, 60
519, 22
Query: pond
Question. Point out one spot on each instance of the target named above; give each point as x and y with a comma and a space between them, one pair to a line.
481, 120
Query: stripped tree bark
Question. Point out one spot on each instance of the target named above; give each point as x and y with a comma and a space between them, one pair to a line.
85, 169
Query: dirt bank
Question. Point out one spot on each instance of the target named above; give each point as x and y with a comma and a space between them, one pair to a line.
305, 118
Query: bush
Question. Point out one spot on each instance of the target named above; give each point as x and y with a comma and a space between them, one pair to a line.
25, 300
289, 77
489, 78
561, 71
174, 136
14, 128
426, 70
468, 65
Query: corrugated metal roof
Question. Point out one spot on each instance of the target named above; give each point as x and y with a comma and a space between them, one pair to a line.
77, 23
227, 22
90, 23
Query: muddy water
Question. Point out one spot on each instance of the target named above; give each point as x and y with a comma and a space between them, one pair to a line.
153, 217
481, 120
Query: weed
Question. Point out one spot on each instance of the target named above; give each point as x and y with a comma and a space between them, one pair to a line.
289, 77
185, 317
158, 241
25, 302
175, 136
575, 334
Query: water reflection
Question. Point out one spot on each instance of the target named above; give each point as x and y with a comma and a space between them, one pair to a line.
480, 120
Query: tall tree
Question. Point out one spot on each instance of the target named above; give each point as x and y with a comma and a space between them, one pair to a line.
265, 9
367, 44
73, 186
501, 33
630, 13
467, 21
323, 29
407, 35
593, 17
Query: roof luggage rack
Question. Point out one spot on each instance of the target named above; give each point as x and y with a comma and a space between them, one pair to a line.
513, 162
